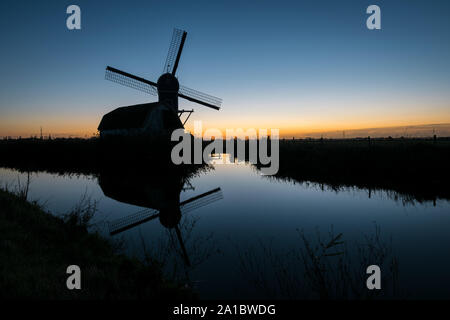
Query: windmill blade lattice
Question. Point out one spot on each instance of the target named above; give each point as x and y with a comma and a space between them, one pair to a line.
183, 248
201, 200
200, 97
132, 220
174, 51
131, 81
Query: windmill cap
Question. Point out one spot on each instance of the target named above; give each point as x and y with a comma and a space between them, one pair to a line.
168, 83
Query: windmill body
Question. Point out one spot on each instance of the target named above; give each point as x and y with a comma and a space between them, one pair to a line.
148, 119
158, 118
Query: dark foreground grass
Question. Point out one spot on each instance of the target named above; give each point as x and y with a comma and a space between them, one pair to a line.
36, 248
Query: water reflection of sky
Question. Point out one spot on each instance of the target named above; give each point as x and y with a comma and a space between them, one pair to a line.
257, 209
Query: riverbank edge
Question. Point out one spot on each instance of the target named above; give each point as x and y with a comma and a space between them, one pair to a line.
37, 247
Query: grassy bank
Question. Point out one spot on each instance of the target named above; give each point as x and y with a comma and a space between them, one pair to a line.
416, 168
36, 248
86, 156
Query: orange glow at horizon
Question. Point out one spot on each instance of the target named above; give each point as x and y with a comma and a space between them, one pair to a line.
82, 130
291, 121
26, 127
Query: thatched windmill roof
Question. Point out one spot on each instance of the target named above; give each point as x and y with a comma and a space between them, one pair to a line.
127, 117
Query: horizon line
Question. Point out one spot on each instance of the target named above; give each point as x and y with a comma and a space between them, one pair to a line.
298, 133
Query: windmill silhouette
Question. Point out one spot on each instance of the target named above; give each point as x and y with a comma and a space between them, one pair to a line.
141, 119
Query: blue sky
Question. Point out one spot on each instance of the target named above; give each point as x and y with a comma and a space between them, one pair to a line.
297, 66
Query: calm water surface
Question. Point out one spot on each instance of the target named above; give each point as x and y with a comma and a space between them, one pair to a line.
258, 215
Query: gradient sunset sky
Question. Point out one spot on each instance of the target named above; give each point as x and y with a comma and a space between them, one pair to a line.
300, 66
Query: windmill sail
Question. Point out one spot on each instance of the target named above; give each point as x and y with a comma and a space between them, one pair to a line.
133, 220
201, 200
174, 54
183, 248
200, 98
130, 80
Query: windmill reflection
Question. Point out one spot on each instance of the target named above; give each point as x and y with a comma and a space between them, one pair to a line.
160, 196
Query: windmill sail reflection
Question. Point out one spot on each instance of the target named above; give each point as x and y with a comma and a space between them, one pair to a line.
160, 196
135, 219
